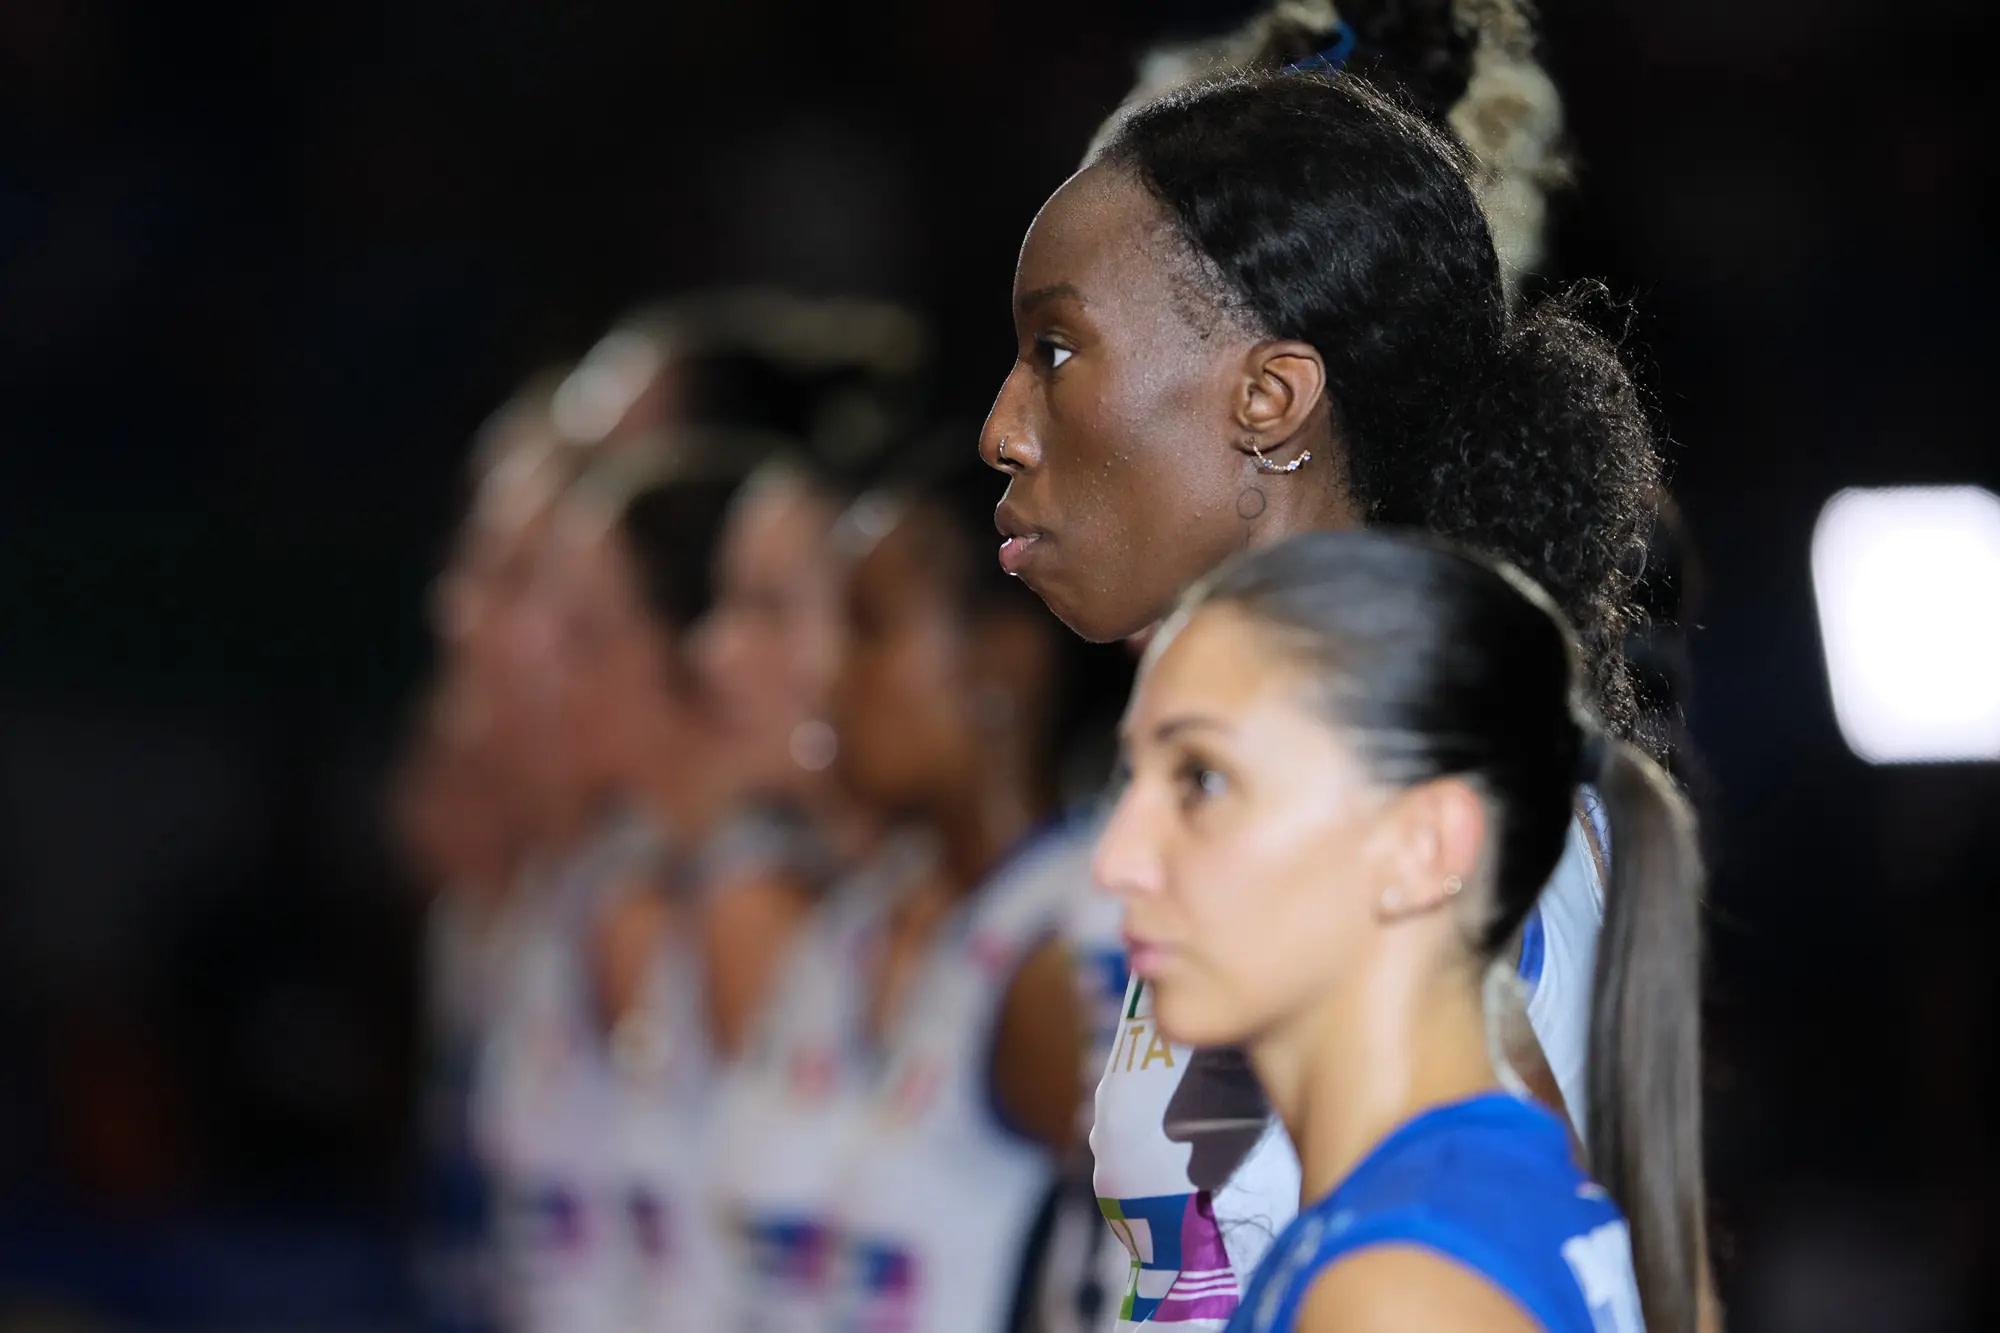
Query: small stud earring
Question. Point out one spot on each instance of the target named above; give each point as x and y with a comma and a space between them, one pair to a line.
1452, 885
1392, 899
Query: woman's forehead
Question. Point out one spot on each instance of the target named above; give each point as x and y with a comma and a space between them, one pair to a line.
1099, 217
1211, 663
1107, 245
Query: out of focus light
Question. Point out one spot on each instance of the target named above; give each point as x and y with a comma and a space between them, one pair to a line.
1908, 585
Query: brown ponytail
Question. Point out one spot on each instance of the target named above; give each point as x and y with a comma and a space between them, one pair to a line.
1645, 1040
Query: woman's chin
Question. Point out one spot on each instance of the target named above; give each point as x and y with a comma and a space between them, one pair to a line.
1094, 624
1186, 1021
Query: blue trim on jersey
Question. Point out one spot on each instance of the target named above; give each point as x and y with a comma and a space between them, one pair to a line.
1487, 1183
1600, 817
1110, 972
1534, 947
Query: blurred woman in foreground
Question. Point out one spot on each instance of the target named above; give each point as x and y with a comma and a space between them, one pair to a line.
1353, 761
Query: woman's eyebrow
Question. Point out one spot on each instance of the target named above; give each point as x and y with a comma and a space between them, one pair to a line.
1043, 295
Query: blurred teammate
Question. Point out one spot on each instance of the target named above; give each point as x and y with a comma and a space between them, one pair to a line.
792, 1104
730, 377
768, 654
1354, 760
777, 370
455, 839
467, 811
821, 389
946, 712
598, 1082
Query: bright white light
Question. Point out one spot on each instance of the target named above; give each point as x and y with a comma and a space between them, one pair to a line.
1908, 585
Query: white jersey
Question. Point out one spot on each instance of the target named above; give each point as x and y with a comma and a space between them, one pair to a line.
465, 950
1197, 1178
664, 1092
1085, 1272
939, 1199
589, 1144
791, 1105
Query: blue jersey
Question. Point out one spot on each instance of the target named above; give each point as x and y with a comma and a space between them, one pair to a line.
1487, 1183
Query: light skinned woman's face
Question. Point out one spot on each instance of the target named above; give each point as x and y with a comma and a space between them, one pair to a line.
1248, 849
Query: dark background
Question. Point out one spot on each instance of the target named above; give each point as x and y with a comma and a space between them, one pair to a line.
264, 268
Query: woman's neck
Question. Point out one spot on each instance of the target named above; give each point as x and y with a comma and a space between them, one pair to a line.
677, 786
981, 827
563, 820
1365, 1059
846, 827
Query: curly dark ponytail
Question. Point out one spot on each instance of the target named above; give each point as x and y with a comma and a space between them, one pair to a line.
1542, 452
1319, 209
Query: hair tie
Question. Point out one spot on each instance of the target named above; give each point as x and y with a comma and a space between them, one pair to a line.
1590, 757
1330, 59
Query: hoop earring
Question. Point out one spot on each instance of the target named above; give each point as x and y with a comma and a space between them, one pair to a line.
1265, 465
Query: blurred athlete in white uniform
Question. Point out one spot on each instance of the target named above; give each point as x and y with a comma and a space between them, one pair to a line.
824, 387
678, 970
451, 827
946, 715
466, 812
597, 1087
769, 653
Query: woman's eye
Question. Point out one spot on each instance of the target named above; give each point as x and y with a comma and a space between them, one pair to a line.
1052, 353
1200, 782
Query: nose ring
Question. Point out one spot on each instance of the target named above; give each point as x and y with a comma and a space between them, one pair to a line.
1001, 452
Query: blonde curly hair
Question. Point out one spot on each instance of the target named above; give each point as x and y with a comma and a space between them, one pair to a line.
1509, 115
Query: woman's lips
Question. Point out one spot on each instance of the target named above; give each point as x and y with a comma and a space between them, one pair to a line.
1017, 551
1145, 958
1020, 540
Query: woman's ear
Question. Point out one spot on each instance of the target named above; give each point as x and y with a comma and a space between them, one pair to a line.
1283, 388
1438, 828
